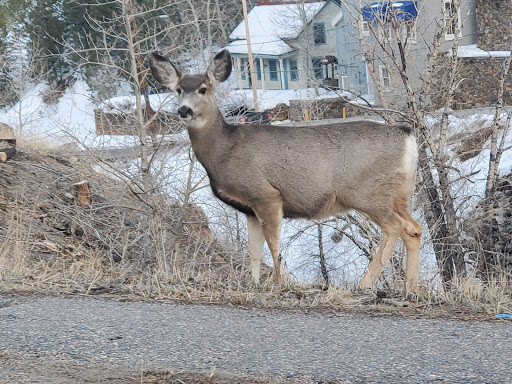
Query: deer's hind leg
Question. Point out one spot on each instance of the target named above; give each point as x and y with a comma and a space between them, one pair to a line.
411, 236
391, 230
395, 223
412, 272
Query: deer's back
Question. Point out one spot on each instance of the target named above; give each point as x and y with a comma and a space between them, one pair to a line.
317, 170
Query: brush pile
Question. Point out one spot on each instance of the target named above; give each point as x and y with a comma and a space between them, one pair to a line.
55, 208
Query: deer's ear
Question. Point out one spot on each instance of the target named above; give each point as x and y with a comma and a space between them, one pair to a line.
164, 71
220, 68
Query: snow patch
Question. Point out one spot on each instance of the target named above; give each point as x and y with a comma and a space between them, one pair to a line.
269, 24
474, 51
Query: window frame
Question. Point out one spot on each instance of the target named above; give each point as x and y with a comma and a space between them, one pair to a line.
294, 69
384, 77
448, 16
243, 73
385, 32
316, 68
272, 73
410, 33
258, 69
345, 83
324, 33
366, 28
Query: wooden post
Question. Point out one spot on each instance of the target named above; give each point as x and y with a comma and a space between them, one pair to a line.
82, 194
249, 52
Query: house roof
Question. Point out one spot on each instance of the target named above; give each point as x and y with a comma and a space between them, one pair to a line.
262, 47
269, 25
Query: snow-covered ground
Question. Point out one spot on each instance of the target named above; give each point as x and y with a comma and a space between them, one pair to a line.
73, 116
72, 120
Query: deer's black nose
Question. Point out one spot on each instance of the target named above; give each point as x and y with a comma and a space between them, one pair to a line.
184, 111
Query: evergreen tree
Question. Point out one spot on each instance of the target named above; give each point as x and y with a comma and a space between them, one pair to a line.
11, 13
85, 20
46, 28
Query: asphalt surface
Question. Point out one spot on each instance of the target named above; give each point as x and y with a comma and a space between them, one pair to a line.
321, 347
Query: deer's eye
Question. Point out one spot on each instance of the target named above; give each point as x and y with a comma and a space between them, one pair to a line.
202, 91
178, 90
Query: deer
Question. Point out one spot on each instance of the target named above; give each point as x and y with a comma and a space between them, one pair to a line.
271, 172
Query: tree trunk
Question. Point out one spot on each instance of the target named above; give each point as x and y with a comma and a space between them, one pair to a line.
323, 264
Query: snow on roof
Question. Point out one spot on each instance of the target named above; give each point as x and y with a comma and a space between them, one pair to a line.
474, 51
281, 21
265, 47
269, 24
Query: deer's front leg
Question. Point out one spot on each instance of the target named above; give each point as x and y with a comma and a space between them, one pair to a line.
270, 216
256, 241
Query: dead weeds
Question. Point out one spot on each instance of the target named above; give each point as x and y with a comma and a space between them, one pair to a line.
119, 248
182, 377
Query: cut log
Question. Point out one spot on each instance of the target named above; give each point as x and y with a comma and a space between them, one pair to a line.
7, 148
7, 153
83, 194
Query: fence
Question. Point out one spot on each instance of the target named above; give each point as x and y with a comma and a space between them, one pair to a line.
320, 109
121, 123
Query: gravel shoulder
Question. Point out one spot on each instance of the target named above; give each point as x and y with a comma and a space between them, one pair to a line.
85, 340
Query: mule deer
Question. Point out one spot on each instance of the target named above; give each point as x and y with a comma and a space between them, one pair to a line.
271, 172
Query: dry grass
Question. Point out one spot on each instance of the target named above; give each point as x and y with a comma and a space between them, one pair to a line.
214, 377
491, 297
89, 275
66, 370
52, 246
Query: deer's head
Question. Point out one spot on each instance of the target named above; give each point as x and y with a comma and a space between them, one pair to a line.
196, 102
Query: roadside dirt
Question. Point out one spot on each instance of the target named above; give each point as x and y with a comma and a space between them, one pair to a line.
60, 370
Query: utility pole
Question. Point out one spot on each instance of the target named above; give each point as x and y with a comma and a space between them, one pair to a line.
249, 51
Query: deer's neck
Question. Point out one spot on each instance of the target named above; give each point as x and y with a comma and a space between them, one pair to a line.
207, 140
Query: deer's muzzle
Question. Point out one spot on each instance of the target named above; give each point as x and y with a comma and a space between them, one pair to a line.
184, 111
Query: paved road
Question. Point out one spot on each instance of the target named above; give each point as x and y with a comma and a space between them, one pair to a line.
348, 348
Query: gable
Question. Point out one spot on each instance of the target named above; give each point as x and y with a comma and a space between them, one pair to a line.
281, 21
329, 15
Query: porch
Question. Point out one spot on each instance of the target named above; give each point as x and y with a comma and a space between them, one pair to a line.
271, 72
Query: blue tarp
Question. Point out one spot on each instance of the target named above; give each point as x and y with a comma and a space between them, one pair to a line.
402, 10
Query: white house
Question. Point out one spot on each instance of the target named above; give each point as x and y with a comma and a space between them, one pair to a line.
293, 44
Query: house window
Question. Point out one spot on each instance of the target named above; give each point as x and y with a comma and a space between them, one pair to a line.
451, 19
385, 32
243, 68
385, 80
319, 33
258, 69
366, 28
408, 31
294, 70
318, 73
272, 68
345, 85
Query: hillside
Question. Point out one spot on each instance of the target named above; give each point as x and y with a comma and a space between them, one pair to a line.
54, 238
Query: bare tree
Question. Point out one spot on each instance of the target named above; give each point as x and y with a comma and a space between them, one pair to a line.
408, 91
